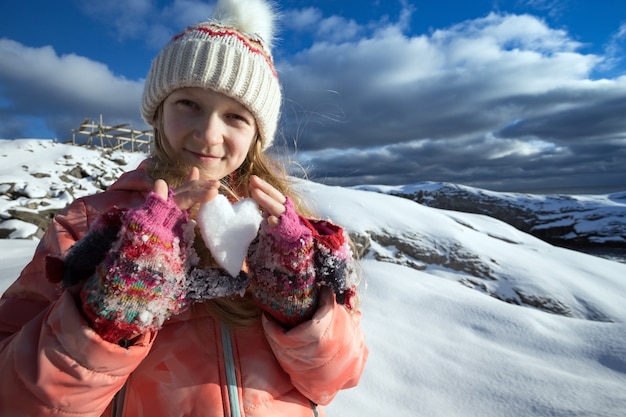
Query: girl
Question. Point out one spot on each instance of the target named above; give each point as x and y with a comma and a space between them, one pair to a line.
124, 311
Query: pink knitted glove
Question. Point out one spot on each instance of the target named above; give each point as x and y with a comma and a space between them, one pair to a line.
291, 261
141, 282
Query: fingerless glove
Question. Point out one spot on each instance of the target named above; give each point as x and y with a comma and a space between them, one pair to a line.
80, 262
291, 261
141, 282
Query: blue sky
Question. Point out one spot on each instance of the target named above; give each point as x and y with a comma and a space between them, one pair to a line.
505, 95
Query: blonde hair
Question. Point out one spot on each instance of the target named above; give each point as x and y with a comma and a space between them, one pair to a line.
235, 311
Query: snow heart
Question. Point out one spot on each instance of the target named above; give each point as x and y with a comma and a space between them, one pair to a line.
228, 229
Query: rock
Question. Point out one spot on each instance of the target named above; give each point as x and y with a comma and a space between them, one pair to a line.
41, 175
77, 172
41, 219
423, 253
361, 244
557, 219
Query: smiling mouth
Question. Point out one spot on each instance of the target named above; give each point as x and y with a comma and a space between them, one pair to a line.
204, 156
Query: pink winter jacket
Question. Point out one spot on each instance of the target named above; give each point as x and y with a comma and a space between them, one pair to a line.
53, 364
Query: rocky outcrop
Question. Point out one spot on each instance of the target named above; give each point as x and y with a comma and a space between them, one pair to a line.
562, 220
422, 252
36, 201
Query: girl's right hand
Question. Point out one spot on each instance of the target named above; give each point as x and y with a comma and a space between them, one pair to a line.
194, 191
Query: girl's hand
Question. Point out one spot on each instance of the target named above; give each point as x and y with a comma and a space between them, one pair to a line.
268, 198
194, 191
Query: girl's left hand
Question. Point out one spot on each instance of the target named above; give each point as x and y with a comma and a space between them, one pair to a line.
268, 198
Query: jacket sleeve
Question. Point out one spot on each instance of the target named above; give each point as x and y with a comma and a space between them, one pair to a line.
51, 361
323, 355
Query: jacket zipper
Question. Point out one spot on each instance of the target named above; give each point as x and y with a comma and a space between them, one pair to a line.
231, 377
231, 380
314, 408
117, 408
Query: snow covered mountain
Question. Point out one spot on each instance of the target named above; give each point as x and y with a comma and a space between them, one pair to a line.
575, 221
465, 315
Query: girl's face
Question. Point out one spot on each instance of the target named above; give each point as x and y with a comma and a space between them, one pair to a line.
207, 129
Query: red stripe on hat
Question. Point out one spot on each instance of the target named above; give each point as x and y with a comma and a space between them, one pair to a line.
226, 32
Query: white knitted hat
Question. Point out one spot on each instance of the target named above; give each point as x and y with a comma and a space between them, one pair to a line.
230, 54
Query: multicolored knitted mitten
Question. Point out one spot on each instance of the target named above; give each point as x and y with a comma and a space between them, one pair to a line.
291, 261
81, 260
334, 262
142, 280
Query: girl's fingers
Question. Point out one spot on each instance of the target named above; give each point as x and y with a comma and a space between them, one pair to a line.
160, 188
273, 221
258, 183
194, 174
267, 203
195, 192
268, 198
190, 198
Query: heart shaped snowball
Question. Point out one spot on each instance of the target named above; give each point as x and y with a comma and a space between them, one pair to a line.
228, 229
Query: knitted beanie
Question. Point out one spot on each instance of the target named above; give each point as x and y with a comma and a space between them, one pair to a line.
231, 54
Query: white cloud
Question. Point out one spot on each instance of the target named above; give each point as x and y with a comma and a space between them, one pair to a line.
128, 18
63, 89
440, 105
338, 29
450, 72
369, 101
552, 8
143, 19
615, 49
183, 13
300, 20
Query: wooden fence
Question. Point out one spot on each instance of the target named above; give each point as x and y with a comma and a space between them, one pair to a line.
114, 137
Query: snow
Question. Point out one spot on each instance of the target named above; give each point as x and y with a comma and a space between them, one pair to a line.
36, 165
21, 229
442, 340
228, 229
600, 216
440, 349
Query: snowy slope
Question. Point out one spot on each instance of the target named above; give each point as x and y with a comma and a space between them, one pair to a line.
448, 310
481, 253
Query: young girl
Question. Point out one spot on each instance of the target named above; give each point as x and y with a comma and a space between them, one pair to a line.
125, 311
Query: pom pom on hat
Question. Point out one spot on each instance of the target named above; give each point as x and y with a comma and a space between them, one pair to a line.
231, 54
251, 16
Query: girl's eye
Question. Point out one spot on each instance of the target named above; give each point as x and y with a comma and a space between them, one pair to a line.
236, 116
239, 117
188, 103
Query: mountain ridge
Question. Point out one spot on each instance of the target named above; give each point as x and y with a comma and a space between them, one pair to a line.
421, 237
464, 314
573, 221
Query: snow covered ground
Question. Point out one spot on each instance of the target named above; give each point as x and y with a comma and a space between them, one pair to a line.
443, 342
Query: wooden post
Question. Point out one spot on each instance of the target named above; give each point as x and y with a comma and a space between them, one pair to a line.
114, 137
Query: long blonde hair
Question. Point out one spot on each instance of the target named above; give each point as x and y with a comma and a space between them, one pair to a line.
235, 311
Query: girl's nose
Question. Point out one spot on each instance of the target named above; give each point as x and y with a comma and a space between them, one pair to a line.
210, 131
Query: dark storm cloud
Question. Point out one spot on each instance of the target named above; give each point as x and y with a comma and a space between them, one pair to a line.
590, 117
499, 102
502, 102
